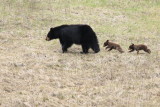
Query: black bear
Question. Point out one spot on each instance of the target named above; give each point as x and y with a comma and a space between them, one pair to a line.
75, 34
112, 45
133, 47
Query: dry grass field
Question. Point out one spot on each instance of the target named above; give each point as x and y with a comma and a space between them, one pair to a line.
35, 72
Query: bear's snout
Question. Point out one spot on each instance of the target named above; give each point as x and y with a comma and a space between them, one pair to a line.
47, 39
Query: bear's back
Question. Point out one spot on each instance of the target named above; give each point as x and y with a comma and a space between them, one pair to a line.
75, 33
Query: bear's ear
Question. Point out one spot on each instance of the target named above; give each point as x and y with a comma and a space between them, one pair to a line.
51, 28
132, 44
107, 40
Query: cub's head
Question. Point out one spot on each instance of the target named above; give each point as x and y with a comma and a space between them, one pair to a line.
52, 34
106, 43
131, 47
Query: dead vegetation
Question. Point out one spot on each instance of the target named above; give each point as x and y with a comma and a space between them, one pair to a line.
34, 72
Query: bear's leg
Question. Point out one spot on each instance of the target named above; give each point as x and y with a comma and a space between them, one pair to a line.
65, 46
107, 47
64, 49
120, 49
147, 50
137, 51
131, 50
110, 48
85, 48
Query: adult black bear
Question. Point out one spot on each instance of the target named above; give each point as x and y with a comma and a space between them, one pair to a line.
75, 34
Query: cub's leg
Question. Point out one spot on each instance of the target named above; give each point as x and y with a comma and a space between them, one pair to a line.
111, 48
120, 49
131, 50
148, 51
107, 47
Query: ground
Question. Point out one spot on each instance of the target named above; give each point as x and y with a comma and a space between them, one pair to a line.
35, 72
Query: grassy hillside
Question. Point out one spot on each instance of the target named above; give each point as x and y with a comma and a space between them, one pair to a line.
35, 73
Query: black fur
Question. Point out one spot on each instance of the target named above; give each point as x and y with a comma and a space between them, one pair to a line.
75, 34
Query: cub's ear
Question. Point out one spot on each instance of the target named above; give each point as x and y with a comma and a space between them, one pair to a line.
107, 40
132, 44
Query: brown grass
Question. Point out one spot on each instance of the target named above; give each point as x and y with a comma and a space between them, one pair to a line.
35, 73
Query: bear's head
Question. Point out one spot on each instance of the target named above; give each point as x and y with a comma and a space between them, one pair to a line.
106, 43
52, 34
131, 47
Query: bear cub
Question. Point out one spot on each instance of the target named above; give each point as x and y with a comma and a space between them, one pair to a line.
139, 47
112, 45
